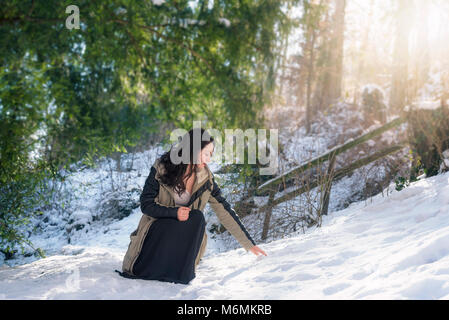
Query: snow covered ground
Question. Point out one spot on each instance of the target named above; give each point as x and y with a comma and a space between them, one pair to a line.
388, 247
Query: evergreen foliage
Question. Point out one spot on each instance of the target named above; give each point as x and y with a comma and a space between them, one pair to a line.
71, 95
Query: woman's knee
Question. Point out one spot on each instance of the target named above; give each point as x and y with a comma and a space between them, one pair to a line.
196, 211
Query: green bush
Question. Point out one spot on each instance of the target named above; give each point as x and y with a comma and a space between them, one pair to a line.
21, 196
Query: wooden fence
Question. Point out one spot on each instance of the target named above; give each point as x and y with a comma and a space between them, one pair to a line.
273, 186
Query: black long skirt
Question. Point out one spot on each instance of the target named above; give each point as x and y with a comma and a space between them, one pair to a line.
170, 249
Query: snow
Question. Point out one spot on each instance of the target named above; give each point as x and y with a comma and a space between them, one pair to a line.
445, 163
225, 21
388, 247
186, 22
424, 105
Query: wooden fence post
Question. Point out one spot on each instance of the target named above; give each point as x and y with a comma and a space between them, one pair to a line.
328, 184
268, 211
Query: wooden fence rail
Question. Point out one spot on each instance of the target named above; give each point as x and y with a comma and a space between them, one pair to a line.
265, 188
340, 173
272, 187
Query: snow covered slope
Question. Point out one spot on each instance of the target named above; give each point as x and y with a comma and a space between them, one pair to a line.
389, 247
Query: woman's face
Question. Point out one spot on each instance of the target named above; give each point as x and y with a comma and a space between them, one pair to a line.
205, 155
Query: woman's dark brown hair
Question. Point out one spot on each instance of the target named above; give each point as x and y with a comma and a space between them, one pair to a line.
174, 173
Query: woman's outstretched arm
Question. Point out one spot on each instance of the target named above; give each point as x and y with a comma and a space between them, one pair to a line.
230, 220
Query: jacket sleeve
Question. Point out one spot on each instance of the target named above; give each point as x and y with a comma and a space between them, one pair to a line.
229, 219
149, 205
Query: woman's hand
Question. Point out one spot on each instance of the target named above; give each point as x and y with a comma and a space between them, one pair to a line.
257, 251
183, 213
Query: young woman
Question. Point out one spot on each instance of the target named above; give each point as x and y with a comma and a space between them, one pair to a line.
171, 238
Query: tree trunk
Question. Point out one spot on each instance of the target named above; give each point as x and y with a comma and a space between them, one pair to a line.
313, 16
336, 56
329, 87
398, 96
361, 76
422, 61
310, 78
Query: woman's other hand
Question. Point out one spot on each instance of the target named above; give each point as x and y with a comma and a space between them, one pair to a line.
257, 251
183, 213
